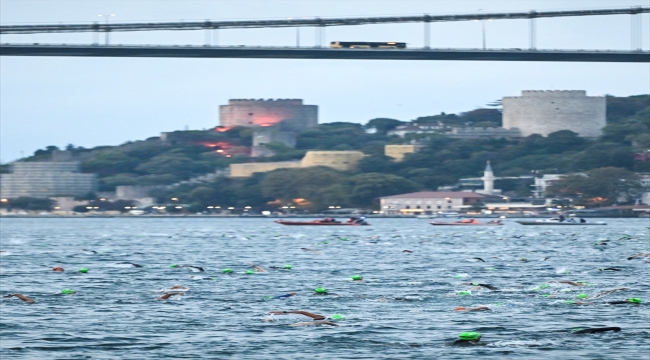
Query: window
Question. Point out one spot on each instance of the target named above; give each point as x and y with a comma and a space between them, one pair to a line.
417, 207
448, 201
428, 206
448, 207
439, 207
408, 207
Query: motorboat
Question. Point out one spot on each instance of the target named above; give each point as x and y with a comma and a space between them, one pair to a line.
353, 221
556, 221
468, 222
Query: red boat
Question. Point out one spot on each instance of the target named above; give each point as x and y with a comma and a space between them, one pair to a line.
467, 222
353, 221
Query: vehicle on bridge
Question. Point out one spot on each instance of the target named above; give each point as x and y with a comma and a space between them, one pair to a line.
367, 45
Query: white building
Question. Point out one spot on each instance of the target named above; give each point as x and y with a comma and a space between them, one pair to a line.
430, 202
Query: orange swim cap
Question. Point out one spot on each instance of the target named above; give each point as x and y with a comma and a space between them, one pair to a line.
58, 269
460, 308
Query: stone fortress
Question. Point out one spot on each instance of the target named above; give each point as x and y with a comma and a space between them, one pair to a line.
289, 114
544, 112
535, 112
275, 120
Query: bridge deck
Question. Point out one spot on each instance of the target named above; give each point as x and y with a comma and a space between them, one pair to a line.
322, 53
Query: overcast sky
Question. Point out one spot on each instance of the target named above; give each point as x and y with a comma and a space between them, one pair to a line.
108, 101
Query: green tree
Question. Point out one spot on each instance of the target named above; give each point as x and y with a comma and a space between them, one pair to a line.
600, 186
383, 125
368, 188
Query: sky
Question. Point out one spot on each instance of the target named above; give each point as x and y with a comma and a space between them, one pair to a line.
108, 101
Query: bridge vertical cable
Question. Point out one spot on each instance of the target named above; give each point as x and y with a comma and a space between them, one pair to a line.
427, 31
636, 29
532, 30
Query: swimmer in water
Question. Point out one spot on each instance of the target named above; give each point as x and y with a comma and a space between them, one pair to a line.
21, 297
134, 265
596, 330
480, 308
469, 338
257, 268
320, 318
567, 282
479, 286
168, 295
194, 268
58, 269
282, 296
638, 256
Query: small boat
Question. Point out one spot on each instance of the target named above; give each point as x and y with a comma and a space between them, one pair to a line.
556, 221
468, 223
353, 221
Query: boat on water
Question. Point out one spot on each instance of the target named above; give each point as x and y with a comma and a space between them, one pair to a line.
353, 221
468, 222
556, 221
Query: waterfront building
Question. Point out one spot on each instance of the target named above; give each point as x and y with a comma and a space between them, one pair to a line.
431, 202
398, 152
46, 179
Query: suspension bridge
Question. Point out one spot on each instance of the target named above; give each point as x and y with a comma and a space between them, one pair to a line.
212, 50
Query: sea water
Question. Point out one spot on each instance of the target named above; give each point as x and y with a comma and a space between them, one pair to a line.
404, 307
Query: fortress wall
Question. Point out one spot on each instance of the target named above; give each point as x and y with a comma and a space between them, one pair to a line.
339, 160
398, 152
246, 170
544, 112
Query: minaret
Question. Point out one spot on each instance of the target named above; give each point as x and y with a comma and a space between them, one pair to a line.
488, 180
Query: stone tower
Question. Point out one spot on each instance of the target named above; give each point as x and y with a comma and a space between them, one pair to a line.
544, 112
285, 114
488, 180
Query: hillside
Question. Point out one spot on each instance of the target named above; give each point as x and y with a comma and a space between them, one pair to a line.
186, 154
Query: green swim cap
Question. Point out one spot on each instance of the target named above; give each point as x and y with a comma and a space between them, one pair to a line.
67, 291
582, 296
287, 267
344, 238
83, 270
226, 271
326, 242
464, 293
469, 335
569, 302
337, 317
523, 259
490, 269
268, 297
320, 290
173, 266
357, 277
546, 295
250, 272
634, 300
475, 284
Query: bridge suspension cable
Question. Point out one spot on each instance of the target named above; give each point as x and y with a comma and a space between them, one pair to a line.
321, 23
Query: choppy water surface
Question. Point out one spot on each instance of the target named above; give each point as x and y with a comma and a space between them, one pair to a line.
116, 314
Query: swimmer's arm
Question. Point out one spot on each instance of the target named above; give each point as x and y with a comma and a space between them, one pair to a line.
258, 268
21, 297
314, 323
311, 315
167, 296
609, 292
570, 282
